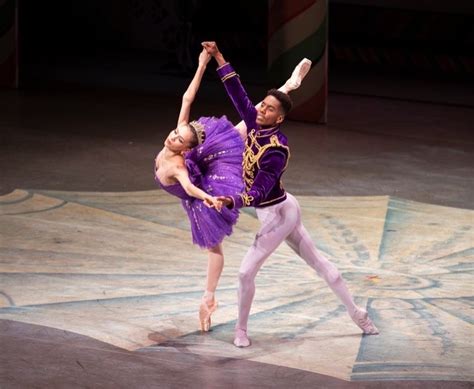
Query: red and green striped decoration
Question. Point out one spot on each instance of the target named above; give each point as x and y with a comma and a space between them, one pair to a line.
298, 29
8, 44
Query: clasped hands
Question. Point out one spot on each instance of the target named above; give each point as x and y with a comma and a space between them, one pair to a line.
217, 202
210, 47
208, 51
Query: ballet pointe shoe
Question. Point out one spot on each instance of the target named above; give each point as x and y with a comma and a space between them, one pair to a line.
241, 339
362, 319
300, 72
205, 312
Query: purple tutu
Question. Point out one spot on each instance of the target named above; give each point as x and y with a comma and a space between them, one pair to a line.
216, 168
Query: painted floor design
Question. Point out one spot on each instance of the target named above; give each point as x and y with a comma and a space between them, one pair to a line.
120, 268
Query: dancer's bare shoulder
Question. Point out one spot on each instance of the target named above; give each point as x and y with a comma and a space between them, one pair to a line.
169, 167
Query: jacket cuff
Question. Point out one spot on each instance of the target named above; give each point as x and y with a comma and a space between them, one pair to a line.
242, 200
236, 202
226, 71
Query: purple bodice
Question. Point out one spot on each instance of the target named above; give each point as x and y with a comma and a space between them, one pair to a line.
173, 189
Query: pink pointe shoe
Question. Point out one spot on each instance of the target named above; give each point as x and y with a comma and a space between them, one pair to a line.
241, 339
300, 72
205, 312
362, 319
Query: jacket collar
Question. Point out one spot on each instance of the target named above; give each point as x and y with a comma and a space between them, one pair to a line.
263, 132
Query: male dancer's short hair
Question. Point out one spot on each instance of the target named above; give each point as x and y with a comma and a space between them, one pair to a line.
283, 98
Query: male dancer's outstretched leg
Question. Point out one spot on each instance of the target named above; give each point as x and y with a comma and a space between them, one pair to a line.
300, 241
280, 222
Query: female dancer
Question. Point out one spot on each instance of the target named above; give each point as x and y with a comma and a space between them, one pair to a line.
201, 158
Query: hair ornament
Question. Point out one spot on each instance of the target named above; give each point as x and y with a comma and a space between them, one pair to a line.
200, 132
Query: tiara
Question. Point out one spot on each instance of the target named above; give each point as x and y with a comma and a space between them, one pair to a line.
200, 133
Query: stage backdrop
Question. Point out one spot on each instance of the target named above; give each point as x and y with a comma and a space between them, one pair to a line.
298, 29
8, 44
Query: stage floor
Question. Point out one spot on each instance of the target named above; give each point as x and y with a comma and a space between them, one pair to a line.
100, 284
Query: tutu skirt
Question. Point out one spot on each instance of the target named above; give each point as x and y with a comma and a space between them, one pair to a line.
215, 166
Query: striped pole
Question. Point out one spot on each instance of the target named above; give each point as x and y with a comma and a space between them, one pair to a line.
298, 29
8, 44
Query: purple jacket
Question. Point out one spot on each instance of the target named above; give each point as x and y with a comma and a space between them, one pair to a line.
266, 150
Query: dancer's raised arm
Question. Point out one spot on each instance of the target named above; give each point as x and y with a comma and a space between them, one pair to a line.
293, 83
190, 94
200, 158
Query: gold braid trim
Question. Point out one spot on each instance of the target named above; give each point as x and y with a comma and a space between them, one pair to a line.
272, 200
230, 75
250, 159
246, 199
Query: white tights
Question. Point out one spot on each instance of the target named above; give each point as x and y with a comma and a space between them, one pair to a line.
278, 223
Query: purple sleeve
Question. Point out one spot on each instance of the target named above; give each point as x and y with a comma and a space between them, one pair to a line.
238, 95
271, 166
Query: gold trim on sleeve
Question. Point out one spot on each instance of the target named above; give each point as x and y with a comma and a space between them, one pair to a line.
246, 199
230, 75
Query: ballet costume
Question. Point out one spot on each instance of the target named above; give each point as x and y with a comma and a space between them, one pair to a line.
215, 166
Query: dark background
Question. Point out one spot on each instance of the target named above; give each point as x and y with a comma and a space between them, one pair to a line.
420, 39
101, 84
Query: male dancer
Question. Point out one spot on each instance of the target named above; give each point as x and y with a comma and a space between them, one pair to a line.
265, 160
